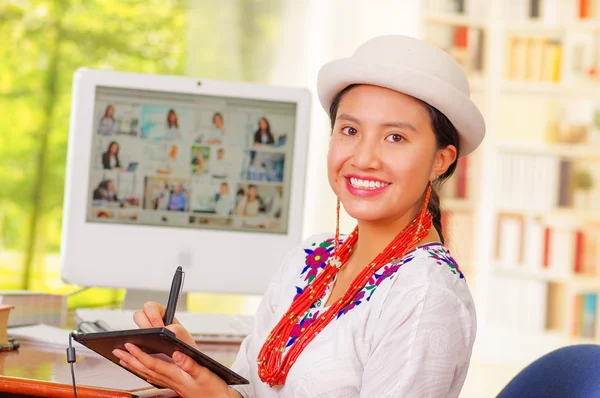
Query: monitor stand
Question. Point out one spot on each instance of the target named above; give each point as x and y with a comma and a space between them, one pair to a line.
135, 299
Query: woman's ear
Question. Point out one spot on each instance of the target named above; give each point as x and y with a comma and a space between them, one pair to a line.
443, 160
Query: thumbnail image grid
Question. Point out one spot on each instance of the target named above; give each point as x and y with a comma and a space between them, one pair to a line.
179, 166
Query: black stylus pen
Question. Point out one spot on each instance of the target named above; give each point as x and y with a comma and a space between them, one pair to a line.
173, 296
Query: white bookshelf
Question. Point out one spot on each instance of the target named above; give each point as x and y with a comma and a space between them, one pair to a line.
438, 27
444, 18
580, 215
577, 151
523, 271
510, 107
550, 88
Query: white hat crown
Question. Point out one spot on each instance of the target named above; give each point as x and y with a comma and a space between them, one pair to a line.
416, 55
413, 67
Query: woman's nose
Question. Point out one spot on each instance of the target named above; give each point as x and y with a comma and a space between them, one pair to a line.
366, 154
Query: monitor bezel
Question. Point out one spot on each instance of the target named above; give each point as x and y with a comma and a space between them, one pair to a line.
222, 269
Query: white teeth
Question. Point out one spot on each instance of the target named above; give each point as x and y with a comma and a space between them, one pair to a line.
367, 184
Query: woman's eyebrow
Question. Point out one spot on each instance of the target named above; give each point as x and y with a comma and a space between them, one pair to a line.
348, 118
400, 125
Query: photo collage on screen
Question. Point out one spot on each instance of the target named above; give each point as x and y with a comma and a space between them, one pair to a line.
183, 161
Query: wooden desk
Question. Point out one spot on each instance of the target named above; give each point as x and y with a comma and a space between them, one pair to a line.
41, 371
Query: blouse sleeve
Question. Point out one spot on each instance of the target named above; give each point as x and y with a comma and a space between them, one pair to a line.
422, 344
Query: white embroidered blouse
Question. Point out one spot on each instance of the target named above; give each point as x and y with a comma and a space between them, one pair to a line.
408, 333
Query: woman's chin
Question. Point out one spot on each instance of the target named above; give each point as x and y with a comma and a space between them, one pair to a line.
364, 213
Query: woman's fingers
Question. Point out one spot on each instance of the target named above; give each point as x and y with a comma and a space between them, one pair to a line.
130, 362
151, 316
155, 368
182, 374
189, 366
155, 314
141, 319
210, 382
182, 334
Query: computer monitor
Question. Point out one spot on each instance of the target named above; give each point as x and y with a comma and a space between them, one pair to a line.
165, 171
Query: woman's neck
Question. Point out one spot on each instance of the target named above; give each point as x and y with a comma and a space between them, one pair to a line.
374, 237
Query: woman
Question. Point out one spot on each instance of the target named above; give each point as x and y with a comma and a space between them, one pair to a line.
386, 311
105, 191
217, 131
263, 134
249, 206
172, 132
108, 124
224, 201
110, 158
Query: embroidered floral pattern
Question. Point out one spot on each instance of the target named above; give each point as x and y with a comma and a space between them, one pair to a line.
386, 272
442, 256
301, 327
317, 258
355, 301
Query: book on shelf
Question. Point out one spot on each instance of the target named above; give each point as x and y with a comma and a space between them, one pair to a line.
555, 307
587, 9
559, 247
579, 184
446, 6
572, 311
533, 58
465, 44
584, 315
550, 11
526, 181
546, 182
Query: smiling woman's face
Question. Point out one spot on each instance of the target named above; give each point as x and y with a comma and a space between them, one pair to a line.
382, 153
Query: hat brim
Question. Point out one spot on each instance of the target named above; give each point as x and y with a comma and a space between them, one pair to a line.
456, 106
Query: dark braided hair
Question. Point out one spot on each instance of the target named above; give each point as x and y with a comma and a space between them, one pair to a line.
445, 134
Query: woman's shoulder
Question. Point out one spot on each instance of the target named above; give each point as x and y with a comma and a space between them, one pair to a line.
434, 259
432, 266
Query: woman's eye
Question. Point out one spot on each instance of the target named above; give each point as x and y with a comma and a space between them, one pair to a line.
395, 138
349, 131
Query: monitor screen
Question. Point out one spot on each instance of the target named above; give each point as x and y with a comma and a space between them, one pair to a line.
190, 161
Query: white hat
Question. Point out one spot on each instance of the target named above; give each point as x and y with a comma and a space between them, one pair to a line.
412, 67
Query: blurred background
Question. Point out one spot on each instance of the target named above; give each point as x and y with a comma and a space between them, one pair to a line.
521, 215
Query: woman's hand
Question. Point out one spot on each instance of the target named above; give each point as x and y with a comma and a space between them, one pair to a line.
152, 317
184, 376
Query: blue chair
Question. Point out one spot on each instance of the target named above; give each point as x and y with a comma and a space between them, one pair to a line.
568, 372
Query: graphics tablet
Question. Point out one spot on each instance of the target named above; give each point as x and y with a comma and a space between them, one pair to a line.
159, 342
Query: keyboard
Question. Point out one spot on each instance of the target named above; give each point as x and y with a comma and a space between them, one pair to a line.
204, 327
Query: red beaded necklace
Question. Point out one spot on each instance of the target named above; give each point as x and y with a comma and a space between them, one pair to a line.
273, 367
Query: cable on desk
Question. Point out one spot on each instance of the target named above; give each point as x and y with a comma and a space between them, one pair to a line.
71, 358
